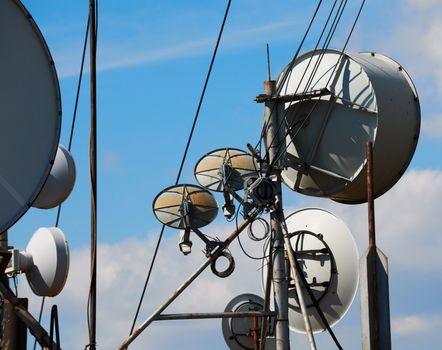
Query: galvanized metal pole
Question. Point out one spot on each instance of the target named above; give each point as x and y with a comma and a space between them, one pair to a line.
299, 287
273, 139
375, 303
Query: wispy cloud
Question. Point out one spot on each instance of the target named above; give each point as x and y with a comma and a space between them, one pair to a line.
134, 52
416, 324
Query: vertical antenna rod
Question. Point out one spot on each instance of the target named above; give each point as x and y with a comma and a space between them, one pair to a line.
268, 62
375, 300
92, 312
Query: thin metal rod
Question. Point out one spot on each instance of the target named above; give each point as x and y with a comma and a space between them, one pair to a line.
187, 282
268, 61
370, 199
299, 288
198, 316
93, 176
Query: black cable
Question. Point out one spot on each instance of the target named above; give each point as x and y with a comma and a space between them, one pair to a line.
309, 291
239, 240
74, 118
264, 224
54, 328
321, 55
327, 41
92, 299
183, 159
330, 77
265, 126
315, 303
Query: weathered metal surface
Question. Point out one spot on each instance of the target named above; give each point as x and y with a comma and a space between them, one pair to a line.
168, 206
375, 299
188, 281
374, 100
273, 139
375, 302
299, 288
208, 315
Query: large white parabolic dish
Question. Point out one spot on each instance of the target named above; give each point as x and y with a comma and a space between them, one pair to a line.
49, 250
341, 271
30, 112
333, 278
372, 99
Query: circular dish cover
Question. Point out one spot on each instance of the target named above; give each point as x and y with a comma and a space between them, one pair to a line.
60, 181
236, 331
371, 99
30, 112
240, 165
50, 254
342, 272
169, 207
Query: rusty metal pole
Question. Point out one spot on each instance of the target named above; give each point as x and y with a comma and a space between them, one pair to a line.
375, 304
255, 333
273, 138
370, 199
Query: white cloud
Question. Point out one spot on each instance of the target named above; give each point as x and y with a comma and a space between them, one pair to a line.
122, 268
416, 324
416, 39
408, 218
408, 221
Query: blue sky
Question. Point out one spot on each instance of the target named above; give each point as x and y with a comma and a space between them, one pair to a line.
152, 61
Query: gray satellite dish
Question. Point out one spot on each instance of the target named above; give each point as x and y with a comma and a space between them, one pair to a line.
237, 331
185, 206
370, 98
60, 181
45, 261
30, 112
225, 167
328, 256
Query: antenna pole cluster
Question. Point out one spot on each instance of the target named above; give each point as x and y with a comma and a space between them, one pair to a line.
280, 282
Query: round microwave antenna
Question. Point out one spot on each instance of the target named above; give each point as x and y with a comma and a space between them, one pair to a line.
353, 98
30, 112
49, 269
60, 181
185, 206
225, 167
328, 256
236, 331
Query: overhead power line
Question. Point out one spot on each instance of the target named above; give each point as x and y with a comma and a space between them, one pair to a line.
195, 119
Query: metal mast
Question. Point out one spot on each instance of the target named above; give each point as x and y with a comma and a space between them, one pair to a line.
93, 174
273, 140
